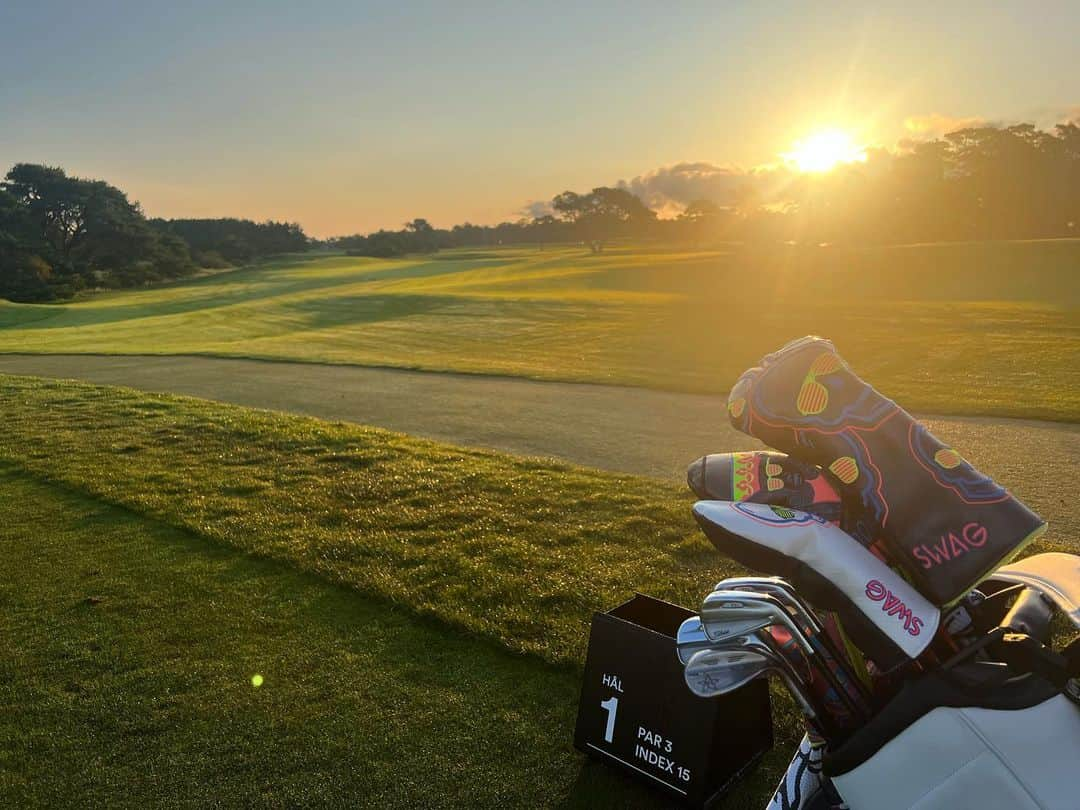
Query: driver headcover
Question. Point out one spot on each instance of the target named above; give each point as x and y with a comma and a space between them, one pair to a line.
943, 521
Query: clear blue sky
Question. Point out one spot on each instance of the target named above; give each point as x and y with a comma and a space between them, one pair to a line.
348, 116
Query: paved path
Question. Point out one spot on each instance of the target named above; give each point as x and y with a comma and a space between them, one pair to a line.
631, 430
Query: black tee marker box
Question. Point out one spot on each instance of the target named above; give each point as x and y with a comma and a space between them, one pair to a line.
637, 713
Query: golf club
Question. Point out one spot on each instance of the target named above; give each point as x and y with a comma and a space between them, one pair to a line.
826, 725
738, 613
721, 670
691, 638
785, 593
774, 586
725, 613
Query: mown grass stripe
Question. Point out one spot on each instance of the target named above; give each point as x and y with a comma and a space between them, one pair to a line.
930, 324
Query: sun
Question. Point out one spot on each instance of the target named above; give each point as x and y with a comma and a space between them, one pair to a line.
824, 150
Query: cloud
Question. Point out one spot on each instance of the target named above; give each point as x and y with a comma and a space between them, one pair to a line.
1068, 115
935, 125
678, 185
534, 209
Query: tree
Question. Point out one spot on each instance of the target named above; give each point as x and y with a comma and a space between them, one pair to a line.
700, 210
604, 213
56, 203
88, 233
24, 275
218, 242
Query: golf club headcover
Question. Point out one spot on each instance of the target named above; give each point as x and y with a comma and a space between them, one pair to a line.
945, 523
762, 476
885, 617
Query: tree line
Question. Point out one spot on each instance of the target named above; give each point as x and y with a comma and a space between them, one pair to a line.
594, 217
61, 234
1016, 182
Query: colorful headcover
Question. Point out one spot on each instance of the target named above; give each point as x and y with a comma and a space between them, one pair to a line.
762, 476
889, 621
765, 476
944, 522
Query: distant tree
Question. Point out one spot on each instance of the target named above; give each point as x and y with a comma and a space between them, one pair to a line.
88, 233
604, 213
699, 210
421, 226
215, 242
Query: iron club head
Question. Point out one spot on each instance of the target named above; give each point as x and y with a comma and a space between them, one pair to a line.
740, 613
691, 638
783, 590
720, 670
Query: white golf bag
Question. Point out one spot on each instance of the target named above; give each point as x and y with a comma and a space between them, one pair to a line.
997, 726
964, 738
990, 759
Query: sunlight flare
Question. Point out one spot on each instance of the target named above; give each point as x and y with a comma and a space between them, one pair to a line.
824, 150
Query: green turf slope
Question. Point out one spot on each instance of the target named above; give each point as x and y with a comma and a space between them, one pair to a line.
981, 328
128, 649
419, 611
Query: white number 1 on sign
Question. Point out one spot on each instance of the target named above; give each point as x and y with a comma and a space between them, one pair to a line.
611, 705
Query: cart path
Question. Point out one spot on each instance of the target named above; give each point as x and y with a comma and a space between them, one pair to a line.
632, 430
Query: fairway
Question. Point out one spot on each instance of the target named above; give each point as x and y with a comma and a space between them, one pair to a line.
987, 328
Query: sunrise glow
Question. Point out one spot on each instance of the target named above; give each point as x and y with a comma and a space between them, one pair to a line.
824, 150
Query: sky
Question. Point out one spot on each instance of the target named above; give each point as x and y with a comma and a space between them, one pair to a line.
348, 116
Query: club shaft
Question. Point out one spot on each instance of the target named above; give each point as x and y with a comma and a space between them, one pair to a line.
783, 591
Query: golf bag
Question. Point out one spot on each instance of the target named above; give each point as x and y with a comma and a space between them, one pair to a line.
1016, 748
872, 519
945, 523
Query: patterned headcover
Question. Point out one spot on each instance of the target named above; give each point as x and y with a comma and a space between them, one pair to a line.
945, 523
765, 476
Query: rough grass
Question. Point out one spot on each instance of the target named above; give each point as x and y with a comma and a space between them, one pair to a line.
159, 551
132, 619
128, 649
981, 328
519, 550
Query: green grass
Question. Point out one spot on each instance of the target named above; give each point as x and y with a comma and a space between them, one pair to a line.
980, 328
515, 549
125, 681
419, 611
